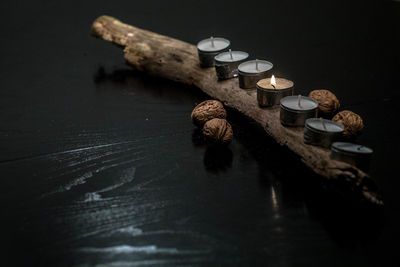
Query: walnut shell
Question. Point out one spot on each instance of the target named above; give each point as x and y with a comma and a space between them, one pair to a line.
218, 130
352, 123
206, 111
328, 103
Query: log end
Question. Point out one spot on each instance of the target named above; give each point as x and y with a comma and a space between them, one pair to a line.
98, 30
111, 29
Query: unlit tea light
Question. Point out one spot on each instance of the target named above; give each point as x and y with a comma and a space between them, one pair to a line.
250, 72
354, 154
271, 90
321, 132
226, 63
209, 48
295, 110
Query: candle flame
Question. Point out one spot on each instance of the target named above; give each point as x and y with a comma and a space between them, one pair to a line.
273, 81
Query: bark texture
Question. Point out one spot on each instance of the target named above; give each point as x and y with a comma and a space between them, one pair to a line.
176, 60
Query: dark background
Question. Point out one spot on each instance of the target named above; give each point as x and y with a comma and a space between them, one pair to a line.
101, 165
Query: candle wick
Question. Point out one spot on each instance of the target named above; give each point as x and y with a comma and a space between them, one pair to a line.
212, 41
257, 65
230, 53
323, 123
273, 86
299, 101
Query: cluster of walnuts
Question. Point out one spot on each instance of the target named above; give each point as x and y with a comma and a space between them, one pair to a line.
210, 115
328, 105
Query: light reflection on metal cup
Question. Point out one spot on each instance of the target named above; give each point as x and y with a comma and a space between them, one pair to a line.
208, 48
354, 154
226, 63
250, 72
322, 132
292, 114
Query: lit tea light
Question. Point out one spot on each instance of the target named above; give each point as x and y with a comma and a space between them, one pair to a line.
226, 63
295, 110
354, 154
209, 48
322, 132
270, 91
250, 72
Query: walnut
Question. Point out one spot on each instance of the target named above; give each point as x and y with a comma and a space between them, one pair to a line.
352, 123
206, 111
328, 104
218, 130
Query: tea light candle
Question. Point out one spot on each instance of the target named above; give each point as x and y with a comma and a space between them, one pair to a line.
250, 72
353, 154
322, 132
270, 91
295, 110
226, 63
209, 48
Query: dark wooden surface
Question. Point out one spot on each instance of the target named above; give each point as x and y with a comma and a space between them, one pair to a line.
100, 165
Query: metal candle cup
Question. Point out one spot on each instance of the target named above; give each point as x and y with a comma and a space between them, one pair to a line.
321, 132
209, 48
270, 95
295, 110
226, 63
250, 72
353, 154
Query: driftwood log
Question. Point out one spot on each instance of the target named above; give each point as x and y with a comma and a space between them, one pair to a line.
176, 60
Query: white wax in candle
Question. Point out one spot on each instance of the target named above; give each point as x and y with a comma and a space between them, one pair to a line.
226, 56
292, 102
352, 148
330, 125
219, 44
250, 66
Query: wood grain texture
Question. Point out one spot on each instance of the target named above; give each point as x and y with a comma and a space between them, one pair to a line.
176, 60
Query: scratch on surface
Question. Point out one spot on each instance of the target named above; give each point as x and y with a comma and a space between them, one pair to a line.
76, 158
130, 249
98, 170
89, 148
80, 180
150, 249
135, 231
92, 197
104, 219
162, 262
166, 174
131, 230
127, 176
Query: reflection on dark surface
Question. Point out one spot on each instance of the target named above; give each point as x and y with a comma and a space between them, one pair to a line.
217, 158
198, 137
118, 76
125, 79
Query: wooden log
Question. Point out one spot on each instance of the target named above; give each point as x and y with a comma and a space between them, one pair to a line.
176, 60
